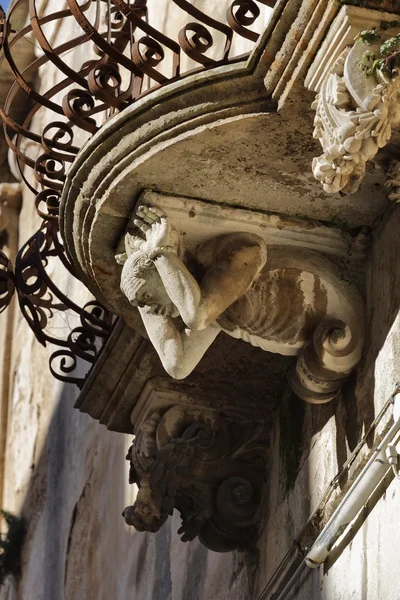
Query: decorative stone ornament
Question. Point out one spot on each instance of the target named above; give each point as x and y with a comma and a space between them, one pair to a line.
393, 180
355, 113
235, 237
210, 468
280, 300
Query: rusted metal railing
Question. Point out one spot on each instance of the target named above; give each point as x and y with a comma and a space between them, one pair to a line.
113, 55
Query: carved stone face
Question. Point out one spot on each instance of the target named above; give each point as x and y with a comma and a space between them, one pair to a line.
143, 287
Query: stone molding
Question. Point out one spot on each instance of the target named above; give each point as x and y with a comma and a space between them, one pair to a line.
199, 221
343, 31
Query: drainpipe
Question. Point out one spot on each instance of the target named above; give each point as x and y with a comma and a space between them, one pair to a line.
371, 475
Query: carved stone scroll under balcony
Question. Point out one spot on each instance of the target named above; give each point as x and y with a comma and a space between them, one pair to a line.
208, 466
280, 299
264, 279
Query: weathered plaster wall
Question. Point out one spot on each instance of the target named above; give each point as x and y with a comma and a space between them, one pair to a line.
68, 477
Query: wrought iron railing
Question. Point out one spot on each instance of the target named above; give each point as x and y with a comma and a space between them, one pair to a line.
126, 56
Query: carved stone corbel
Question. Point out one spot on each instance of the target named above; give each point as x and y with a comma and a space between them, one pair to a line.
282, 299
325, 362
355, 113
210, 468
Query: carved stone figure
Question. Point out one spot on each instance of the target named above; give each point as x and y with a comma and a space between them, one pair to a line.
209, 468
282, 299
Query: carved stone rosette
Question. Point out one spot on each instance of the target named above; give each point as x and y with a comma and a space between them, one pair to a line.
210, 468
355, 114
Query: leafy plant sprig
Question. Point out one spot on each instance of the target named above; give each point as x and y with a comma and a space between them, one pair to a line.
388, 59
368, 36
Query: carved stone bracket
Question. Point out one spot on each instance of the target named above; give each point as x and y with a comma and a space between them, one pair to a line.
208, 466
278, 297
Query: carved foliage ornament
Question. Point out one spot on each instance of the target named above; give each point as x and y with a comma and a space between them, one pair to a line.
355, 113
207, 467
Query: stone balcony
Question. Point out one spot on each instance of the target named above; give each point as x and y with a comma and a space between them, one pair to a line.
222, 151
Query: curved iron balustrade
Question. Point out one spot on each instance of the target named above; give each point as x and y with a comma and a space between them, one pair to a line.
128, 57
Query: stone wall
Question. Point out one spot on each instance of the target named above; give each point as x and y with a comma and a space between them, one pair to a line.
312, 443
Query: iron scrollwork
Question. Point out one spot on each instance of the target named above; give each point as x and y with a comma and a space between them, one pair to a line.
123, 50
128, 48
7, 284
40, 299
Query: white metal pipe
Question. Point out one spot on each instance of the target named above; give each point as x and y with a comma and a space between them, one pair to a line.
362, 488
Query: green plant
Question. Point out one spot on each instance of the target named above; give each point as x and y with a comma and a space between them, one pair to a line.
388, 58
10, 545
368, 36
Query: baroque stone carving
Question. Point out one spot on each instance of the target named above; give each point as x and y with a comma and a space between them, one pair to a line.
355, 114
393, 180
284, 300
209, 468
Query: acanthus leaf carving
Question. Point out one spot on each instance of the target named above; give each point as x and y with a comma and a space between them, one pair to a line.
355, 114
